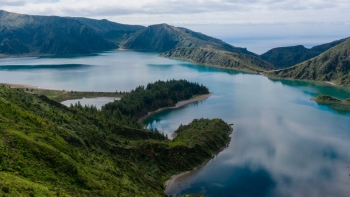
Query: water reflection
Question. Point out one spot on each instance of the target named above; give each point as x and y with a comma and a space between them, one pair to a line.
98, 102
315, 88
283, 144
43, 66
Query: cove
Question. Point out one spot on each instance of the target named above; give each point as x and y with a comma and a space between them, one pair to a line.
283, 144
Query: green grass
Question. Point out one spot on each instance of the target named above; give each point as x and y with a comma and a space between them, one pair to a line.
47, 149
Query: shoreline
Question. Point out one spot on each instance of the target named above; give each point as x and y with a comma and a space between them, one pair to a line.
174, 178
62, 95
178, 105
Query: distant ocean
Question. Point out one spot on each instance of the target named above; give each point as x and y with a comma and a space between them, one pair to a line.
261, 38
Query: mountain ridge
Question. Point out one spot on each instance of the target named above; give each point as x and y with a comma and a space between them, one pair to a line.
164, 37
40, 35
332, 65
283, 57
219, 58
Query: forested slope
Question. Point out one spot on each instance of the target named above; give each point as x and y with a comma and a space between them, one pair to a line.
52, 150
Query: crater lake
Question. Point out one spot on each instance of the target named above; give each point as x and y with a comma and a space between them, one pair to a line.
283, 143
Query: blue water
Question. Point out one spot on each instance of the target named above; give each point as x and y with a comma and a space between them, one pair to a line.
283, 143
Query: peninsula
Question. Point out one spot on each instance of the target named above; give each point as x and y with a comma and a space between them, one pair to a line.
343, 105
49, 149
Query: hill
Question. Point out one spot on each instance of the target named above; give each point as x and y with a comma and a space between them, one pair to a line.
31, 35
163, 37
48, 149
284, 57
219, 58
332, 65
111, 31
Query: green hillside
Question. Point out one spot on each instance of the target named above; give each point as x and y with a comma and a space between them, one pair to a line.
47, 149
163, 37
111, 31
284, 57
32, 35
219, 58
332, 65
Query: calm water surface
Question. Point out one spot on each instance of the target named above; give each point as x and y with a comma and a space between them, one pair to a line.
283, 144
97, 102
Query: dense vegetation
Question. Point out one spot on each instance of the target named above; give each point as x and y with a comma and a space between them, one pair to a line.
154, 96
219, 58
47, 149
332, 65
284, 57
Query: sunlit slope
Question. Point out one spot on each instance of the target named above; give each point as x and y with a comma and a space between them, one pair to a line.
219, 58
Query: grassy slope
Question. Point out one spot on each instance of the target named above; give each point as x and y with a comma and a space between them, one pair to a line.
47, 149
111, 31
283, 57
332, 65
219, 58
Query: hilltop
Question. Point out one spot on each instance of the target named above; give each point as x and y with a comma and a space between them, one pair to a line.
111, 31
26, 35
284, 57
163, 37
333, 65
40, 35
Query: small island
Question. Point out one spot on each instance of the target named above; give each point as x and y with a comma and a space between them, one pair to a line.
336, 104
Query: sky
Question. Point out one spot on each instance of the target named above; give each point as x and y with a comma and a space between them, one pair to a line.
239, 22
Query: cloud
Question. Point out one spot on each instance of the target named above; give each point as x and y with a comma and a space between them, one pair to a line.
11, 3
190, 12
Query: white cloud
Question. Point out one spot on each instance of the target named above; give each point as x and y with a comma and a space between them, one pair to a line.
191, 12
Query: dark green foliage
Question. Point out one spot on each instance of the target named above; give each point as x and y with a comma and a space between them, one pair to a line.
193, 144
332, 65
284, 57
47, 149
158, 95
219, 58
6, 189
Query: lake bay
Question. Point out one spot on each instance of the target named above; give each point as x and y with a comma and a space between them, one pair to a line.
283, 143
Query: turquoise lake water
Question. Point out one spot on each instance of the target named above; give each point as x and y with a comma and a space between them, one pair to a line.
283, 143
